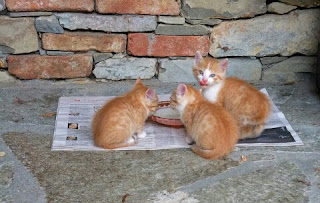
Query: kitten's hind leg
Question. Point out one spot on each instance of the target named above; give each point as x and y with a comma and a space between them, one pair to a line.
246, 131
257, 129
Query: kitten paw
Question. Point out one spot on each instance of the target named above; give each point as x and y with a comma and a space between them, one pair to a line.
130, 140
142, 135
189, 140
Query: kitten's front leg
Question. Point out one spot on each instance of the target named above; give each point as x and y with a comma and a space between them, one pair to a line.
142, 134
189, 140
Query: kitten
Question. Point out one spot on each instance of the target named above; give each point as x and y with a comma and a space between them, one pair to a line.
210, 126
247, 105
121, 121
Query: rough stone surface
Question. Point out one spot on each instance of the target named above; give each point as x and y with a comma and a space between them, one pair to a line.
284, 72
199, 9
50, 5
272, 59
126, 68
65, 176
285, 177
108, 23
2, 5
176, 71
244, 68
59, 53
97, 57
296, 32
3, 61
82, 41
142, 44
48, 24
46, 67
302, 3
151, 7
171, 20
186, 30
6, 175
206, 21
28, 14
18, 36
280, 8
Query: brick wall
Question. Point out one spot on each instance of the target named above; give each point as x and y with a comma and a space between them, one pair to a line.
127, 39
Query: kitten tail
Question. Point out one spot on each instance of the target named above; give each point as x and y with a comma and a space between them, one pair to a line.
207, 153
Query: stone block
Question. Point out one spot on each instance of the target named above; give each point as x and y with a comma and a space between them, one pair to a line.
107, 23
18, 35
182, 30
28, 14
48, 24
296, 32
143, 44
245, 68
302, 3
171, 20
52, 5
49, 67
83, 41
2, 5
150, 7
200, 9
6, 77
3, 61
176, 71
284, 72
126, 68
280, 8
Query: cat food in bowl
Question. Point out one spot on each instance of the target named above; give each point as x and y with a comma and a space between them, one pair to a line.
166, 115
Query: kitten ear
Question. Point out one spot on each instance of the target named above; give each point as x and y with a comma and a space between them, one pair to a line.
150, 94
181, 90
224, 64
198, 58
138, 81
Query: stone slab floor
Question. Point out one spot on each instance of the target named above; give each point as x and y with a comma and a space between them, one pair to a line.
30, 172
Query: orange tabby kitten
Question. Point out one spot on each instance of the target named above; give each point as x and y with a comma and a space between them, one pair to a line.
247, 105
210, 126
121, 121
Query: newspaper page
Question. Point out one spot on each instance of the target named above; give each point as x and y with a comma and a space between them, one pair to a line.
74, 116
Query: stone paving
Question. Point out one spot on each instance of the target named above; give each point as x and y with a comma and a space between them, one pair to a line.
30, 172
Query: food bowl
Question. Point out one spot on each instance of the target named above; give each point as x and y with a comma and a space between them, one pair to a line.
165, 115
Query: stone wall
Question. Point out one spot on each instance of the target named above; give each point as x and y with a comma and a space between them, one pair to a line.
127, 39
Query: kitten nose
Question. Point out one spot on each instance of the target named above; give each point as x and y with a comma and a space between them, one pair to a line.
204, 80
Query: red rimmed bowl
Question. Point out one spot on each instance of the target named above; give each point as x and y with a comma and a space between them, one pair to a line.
164, 106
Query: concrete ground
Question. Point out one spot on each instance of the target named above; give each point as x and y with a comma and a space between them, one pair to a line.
30, 172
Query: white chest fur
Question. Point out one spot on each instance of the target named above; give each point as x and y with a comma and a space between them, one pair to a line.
211, 93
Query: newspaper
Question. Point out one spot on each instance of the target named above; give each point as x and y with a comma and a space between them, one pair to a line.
74, 116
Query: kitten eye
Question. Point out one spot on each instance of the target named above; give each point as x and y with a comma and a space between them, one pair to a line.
212, 75
201, 72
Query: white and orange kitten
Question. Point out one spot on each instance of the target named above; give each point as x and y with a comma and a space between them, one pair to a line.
210, 126
246, 104
121, 121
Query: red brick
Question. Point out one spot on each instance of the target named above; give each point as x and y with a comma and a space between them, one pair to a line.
141, 44
84, 42
50, 5
153, 7
46, 67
